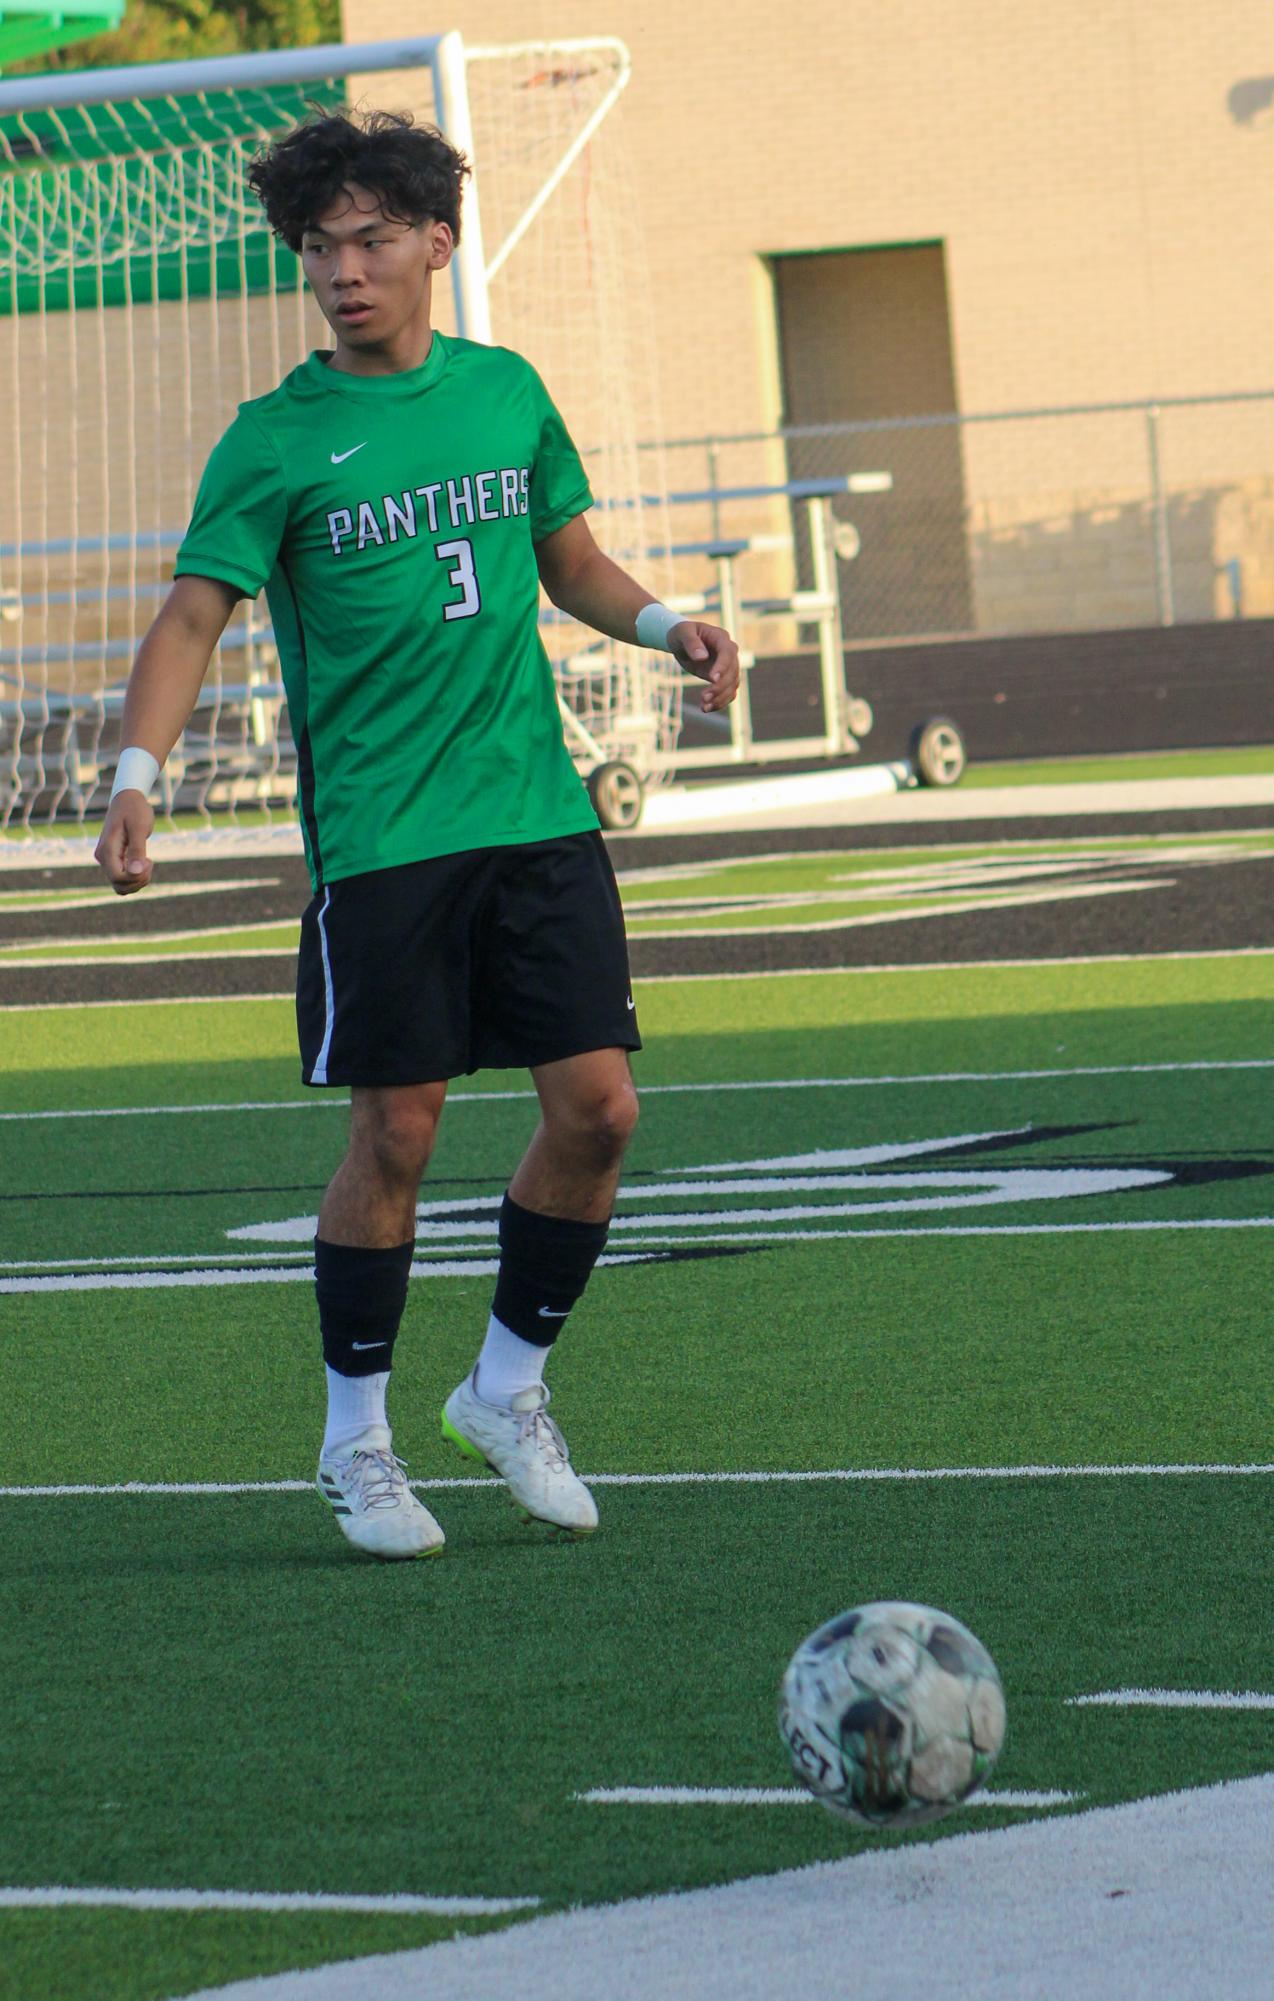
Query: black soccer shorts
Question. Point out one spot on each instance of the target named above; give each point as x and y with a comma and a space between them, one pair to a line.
497, 959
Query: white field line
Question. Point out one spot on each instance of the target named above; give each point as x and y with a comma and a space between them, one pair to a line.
478, 1267
206, 934
238, 1274
48, 962
144, 1000
965, 906
477, 1254
332, 1099
853, 1474
652, 1242
471, 1263
396, 1905
945, 967
1172, 1698
17, 902
779, 1796
140, 1264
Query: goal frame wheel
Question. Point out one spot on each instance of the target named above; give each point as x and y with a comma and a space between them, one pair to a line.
937, 752
617, 794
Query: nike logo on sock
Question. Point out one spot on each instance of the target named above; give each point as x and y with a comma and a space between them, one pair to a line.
367, 1344
546, 1313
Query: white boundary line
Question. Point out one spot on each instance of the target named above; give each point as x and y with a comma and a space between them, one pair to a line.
867, 1475
1172, 1698
473, 1265
668, 1090
945, 967
396, 1905
780, 1796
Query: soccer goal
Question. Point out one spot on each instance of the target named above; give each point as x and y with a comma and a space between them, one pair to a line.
142, 298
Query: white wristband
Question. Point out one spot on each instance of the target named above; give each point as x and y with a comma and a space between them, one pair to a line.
136, 771
654, 623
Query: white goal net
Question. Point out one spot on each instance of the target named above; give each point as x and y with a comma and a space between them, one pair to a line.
142, 298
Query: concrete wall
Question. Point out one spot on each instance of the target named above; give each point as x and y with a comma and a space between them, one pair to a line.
1101, 176
1107, 219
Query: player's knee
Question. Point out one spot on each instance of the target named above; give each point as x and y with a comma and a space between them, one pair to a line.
622, 1113
603, 1125
398, 1135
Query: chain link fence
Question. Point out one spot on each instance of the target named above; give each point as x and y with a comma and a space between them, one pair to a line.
1088, 519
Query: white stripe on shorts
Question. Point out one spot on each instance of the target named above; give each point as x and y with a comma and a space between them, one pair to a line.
319, 1073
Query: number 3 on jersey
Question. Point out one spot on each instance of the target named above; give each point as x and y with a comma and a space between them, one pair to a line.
463, 578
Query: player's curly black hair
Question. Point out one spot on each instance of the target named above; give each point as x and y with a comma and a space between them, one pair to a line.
418, 174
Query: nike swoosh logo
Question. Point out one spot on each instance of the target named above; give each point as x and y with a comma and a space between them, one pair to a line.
631, 1004
338, 458
368, 1344
547, 1314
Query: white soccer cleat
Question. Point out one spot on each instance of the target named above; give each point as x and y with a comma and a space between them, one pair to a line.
377, 1511
525, 1447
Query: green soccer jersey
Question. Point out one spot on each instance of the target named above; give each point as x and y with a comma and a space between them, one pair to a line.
392, 520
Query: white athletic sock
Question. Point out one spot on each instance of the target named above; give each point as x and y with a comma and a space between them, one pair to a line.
507, 1364
355, 1404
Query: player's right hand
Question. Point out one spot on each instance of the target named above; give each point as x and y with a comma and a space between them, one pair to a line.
121, 850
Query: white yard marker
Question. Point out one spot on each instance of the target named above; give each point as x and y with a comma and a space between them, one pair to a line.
397, 1905
857, 1474
1172, 1698
779, 1796
336, 1100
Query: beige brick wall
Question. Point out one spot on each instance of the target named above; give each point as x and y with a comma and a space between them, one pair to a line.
1109, 226
1108, 230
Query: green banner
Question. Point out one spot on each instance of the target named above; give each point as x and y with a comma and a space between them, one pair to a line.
134, 201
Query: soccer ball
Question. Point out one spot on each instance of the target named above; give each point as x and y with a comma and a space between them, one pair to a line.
892, 1714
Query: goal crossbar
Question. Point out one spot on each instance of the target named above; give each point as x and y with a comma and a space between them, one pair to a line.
66, 89
443, 54
141, 294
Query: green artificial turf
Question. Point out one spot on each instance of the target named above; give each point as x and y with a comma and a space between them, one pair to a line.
88, 1954
191, 1680
227, 1697
1235, 761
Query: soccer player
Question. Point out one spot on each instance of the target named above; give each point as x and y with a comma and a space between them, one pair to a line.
401, 499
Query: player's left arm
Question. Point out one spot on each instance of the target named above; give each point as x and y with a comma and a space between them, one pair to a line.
582, 581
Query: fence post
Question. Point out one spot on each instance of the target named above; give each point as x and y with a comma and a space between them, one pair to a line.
831, 637
1159, 511
714, 481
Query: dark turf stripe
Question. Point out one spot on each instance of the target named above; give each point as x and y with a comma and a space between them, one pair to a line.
1227, 907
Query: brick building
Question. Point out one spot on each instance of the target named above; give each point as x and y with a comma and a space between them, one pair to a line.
876, 209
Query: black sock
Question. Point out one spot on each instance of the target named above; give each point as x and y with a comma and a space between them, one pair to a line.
361, 1296
545, 1263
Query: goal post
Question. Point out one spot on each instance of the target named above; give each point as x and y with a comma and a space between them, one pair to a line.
142, 297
